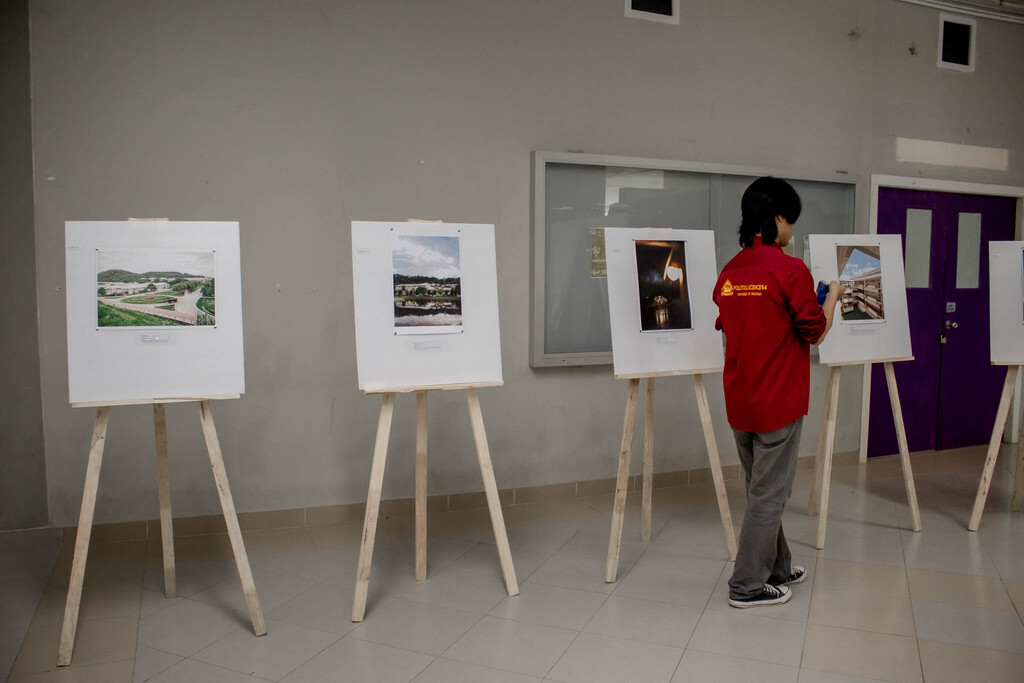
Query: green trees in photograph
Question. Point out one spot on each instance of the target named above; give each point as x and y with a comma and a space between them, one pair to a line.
208, 305
108, 316
148, 299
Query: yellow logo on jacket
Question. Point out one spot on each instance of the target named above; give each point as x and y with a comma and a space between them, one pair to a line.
728, 289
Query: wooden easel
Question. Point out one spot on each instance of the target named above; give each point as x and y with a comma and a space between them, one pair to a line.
625, 453
380, 452
826, 441
92, 480
993, 453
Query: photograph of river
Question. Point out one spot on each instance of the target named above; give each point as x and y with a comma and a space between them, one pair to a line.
661, 277
155, 288
427, 284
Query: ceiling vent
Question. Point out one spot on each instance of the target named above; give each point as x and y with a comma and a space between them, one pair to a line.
664, 11
957, 40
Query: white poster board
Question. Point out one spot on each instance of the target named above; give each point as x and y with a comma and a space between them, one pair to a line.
660, 283
871, 322
426, 304
1006, 302
154, 310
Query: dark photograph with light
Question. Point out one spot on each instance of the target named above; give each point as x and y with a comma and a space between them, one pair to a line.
661, 279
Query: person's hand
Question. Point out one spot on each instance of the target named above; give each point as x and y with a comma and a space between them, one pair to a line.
835, 290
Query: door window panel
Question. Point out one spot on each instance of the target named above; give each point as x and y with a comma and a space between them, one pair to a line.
917, 260
968, 250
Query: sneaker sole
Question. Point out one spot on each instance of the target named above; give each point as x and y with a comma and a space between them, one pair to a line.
742, 604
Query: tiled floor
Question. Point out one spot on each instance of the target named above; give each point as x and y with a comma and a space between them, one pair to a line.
881, 602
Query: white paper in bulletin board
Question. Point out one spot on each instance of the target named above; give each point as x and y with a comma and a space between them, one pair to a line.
426, 304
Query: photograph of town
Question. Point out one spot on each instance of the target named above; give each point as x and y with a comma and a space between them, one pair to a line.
427, 284
155, 288
860, 274
661, 276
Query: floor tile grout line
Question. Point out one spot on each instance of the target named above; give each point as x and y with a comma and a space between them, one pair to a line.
913, 615
300, 665
217, 666
71, 667
807, 621
697, 625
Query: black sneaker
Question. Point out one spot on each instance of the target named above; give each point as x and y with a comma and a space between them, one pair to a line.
796, 575
769, 595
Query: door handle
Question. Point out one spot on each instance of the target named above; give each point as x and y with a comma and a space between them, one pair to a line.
950, 325
942, 337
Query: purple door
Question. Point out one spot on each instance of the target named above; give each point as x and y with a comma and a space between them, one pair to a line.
950, 390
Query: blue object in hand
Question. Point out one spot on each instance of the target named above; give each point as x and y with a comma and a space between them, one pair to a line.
822, 292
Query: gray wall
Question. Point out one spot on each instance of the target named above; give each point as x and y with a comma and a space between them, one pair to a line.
22, 467
297, 118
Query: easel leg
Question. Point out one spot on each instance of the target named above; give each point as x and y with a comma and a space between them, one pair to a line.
826, 467
421, 485
645, 519
483, 454
901, 438
164, 487
1018, 478
622, 482
993, 447
819, 457
715, 463
380, 454
92, 480
227, 504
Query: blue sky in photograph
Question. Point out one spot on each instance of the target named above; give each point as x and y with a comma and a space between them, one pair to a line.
859, 264
427, 256
156, 260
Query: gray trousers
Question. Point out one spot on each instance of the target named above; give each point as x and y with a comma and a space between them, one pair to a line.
769, 461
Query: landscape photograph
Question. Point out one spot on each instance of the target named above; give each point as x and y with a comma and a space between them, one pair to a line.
860, 274
427, 284
661, 278
155, 288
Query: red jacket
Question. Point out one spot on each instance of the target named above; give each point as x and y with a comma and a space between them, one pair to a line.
769, 313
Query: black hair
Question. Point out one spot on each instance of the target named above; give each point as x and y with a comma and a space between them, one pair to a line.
765, 199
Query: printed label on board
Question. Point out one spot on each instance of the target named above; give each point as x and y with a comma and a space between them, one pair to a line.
665, 340
363, 250
426, 346
598, 261
861, 330
149, 338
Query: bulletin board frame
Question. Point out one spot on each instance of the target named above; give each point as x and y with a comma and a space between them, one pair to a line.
584, 307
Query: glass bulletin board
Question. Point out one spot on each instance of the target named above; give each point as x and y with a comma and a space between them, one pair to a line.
576, 196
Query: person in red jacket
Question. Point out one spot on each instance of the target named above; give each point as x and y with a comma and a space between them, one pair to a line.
769, 314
